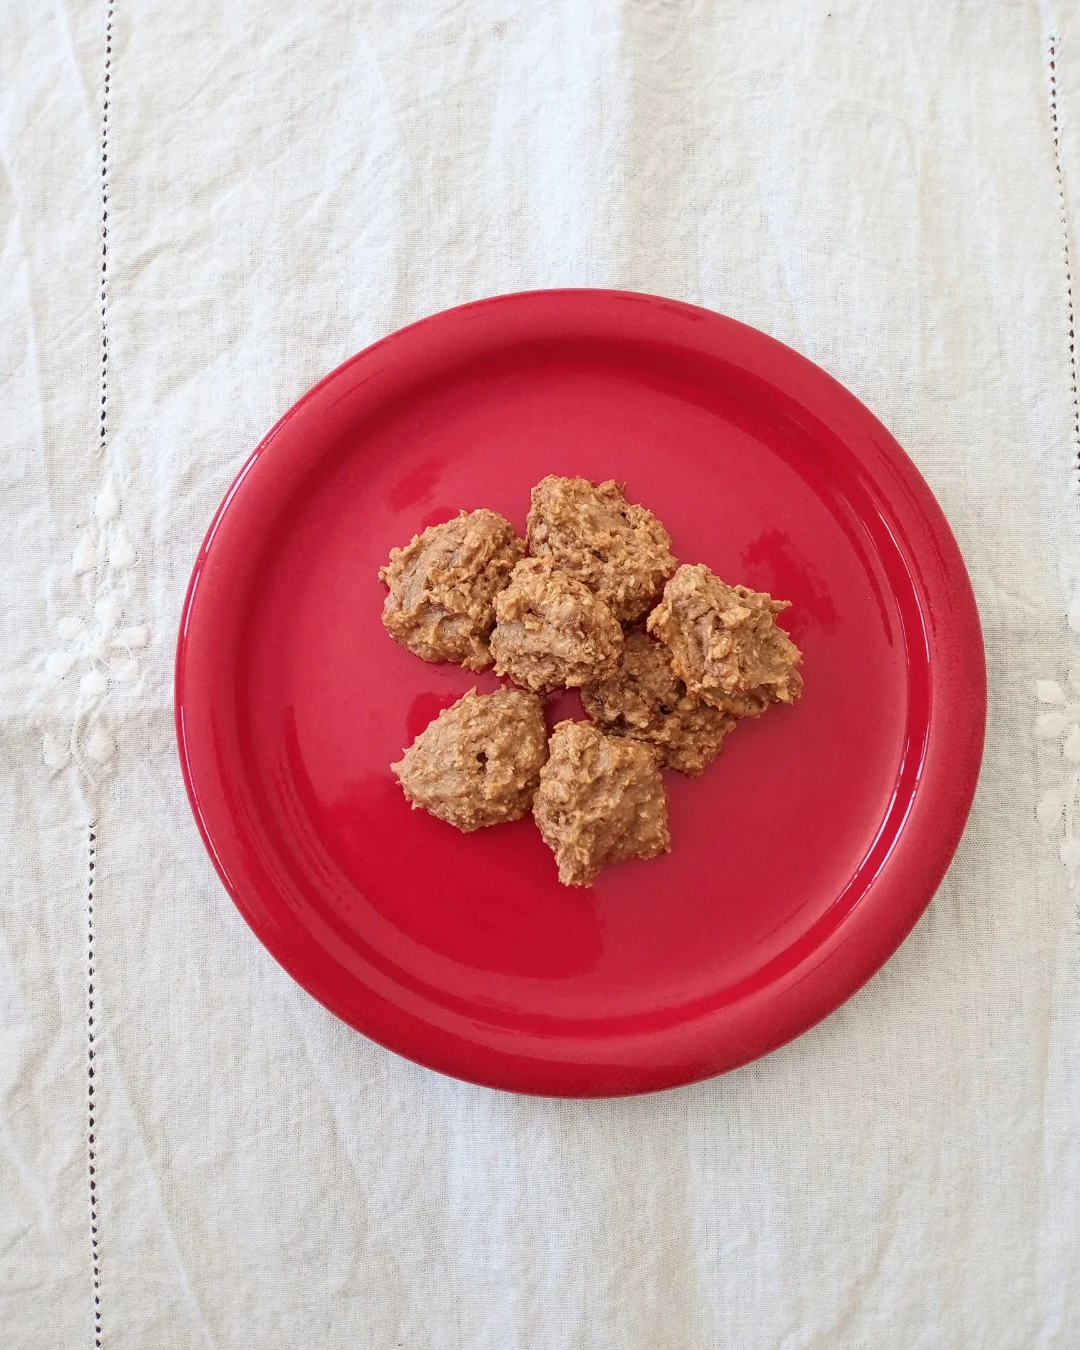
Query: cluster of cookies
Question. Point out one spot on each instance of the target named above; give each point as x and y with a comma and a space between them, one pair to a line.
574, 605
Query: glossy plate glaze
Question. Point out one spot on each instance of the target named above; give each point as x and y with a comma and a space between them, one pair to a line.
800, 860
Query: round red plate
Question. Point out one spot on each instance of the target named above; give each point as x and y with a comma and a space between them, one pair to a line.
802, 857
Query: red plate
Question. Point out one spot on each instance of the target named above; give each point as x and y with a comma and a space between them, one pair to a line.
800, 860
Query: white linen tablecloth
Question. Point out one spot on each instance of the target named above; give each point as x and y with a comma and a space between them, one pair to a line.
205, 207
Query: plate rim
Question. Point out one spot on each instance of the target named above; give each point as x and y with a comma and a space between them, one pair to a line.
863, 941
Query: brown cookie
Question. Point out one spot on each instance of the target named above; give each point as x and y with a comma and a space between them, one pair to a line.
478, 763
601, 799
443, 585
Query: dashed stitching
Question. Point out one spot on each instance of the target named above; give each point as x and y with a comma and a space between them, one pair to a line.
91, 1109
103, 432
1066, 249
103, 424
101, 647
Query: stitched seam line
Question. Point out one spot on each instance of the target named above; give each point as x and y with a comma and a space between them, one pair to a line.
91, 1109
103, 424
1065, 246
102, 440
